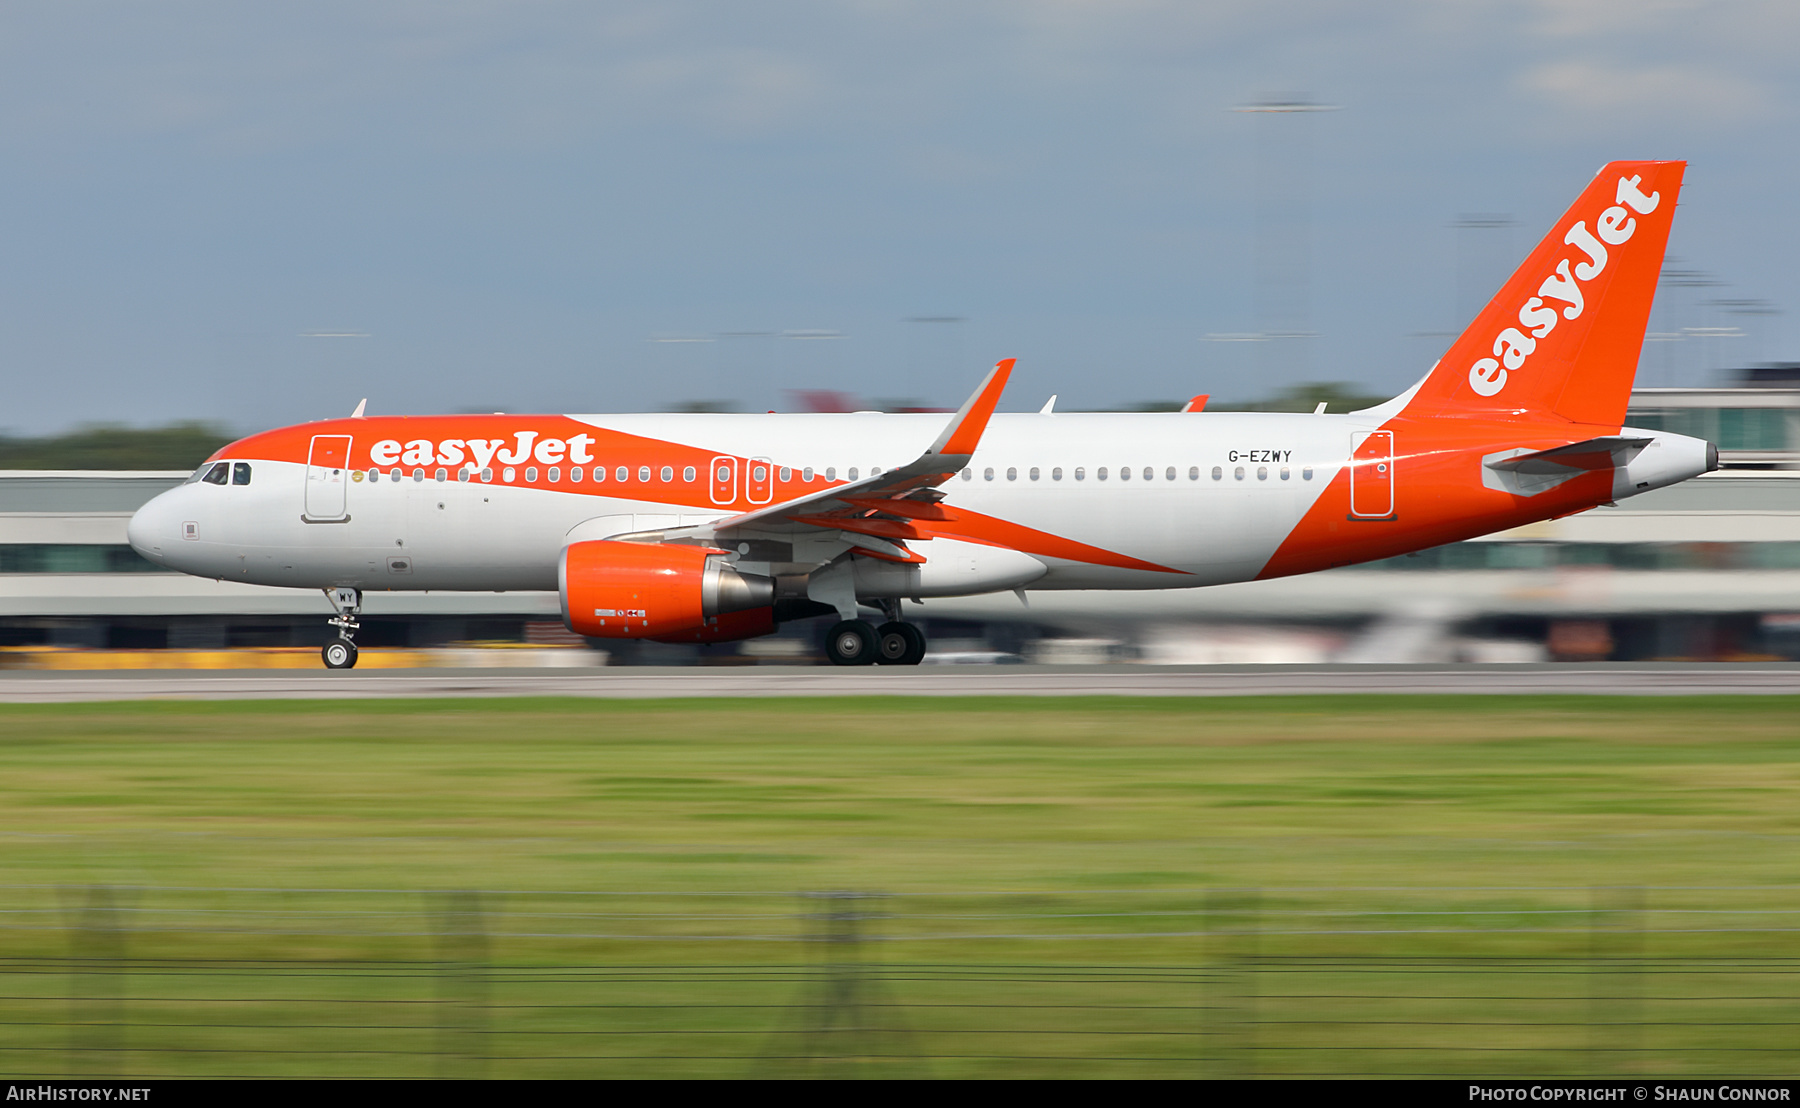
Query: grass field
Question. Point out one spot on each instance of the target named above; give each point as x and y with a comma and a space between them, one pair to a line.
1102, 886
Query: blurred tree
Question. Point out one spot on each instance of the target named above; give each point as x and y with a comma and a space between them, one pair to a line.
114, 446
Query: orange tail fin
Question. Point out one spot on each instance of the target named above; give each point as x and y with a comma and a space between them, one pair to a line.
1561, 340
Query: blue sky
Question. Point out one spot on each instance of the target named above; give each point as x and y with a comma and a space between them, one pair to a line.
259, 214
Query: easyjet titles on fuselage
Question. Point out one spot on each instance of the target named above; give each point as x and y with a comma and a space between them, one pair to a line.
526, 446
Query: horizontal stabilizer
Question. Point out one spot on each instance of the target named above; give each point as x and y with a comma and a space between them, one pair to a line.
1606, 452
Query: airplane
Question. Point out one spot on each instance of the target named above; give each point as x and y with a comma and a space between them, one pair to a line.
716, 527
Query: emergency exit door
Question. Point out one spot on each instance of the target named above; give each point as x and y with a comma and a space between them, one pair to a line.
1372, 475
723, 479
327, 473
759, 481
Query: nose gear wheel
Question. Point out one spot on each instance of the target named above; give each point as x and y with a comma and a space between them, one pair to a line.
340, 653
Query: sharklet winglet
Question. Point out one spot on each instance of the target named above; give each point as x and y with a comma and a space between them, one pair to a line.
964, 431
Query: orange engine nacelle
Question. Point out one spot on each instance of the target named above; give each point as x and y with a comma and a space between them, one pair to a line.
634, 590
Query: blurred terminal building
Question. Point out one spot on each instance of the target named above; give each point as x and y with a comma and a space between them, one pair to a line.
1709, 569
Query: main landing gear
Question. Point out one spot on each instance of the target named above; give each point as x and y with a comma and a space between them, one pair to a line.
854, 643
340, 653
900, 644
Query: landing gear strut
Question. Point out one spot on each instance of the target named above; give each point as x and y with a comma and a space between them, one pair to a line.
340, 653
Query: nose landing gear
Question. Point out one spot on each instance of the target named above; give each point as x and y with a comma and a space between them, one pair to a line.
341, 652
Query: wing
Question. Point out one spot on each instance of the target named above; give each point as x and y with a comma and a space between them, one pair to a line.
878, 509
876, 516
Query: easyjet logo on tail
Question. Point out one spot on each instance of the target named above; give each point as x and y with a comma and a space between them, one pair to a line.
1537, 319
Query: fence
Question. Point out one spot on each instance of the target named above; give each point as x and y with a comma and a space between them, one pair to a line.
144, 981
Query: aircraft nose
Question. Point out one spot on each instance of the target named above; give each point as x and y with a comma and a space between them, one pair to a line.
155, 528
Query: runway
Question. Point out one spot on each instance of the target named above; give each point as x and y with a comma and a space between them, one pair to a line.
1613, 679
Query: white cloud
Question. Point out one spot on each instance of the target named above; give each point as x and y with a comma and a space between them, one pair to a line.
1585, 92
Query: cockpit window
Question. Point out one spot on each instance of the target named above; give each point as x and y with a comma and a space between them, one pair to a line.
218, 474
198, 474
240, 473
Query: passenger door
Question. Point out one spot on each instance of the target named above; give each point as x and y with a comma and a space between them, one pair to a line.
327, 472
1372, 475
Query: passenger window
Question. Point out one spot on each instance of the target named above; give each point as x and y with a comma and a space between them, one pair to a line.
1149, 474
759, 474
531, 473
418, 474
575, 473
852, 473
1124, 473
1100, 473
806, 474
830, 473
968, 475
1012, 473
240, 473
462, 474
1056, 474
1306, 474
1080, 473
644, 474
1238, 473
1034, 473
374, 476
623, 473
1218, 473
1193, 473
554, 473
1284, 473
668, 474
599, 473
218, 474
1170, 475
688, 474
1262, 473
442, 474
987, 474
394, 474
507, 475
487, 474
